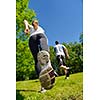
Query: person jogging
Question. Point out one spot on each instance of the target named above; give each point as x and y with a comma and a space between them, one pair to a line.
38, 40
62, 53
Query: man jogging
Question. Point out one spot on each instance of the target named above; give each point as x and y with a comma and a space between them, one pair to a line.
62, 53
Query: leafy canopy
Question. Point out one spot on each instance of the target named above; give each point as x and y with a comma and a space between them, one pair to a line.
23, 12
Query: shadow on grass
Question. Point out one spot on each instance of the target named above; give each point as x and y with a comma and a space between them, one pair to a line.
19, 96
26, 90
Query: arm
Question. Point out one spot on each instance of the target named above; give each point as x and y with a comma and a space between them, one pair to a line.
27, 26
66, 52
54, 49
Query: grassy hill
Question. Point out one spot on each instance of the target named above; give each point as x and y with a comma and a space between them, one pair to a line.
64, 89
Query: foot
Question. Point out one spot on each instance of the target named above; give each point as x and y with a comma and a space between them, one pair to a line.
67, 78
56, 73
67, 67
63, 67
43, 90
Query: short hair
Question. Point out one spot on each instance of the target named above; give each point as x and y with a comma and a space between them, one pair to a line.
35, 20
56, 42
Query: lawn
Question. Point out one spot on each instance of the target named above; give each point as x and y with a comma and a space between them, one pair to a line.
71, 89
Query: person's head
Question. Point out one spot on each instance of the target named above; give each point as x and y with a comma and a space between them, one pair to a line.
35, 23
56, 42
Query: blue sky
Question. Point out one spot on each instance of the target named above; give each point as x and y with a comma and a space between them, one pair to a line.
61, 19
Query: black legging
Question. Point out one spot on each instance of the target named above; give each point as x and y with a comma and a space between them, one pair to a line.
61, 60
37, 43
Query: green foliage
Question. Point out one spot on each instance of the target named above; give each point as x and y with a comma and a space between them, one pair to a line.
81, 38
23, 12
76, 57
24, 60
53, 58
71, 89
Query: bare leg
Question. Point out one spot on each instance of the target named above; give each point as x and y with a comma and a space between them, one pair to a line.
67, 73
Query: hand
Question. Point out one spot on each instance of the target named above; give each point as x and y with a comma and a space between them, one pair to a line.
26, 31
25, 21
68, 57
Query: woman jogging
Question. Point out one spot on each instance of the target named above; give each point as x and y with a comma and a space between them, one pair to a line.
37, 40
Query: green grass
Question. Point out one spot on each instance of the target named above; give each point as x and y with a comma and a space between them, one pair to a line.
71, 89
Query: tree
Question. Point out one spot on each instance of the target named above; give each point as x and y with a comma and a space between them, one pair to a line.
24, 60
81, 38
23, 12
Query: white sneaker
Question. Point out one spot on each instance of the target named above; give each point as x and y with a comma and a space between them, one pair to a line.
56, 73
43, 90
67, 67
63, 67
67, 77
